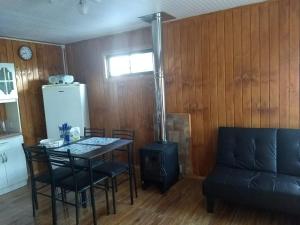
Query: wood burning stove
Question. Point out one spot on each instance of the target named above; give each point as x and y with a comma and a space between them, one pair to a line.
159, 161
159, 165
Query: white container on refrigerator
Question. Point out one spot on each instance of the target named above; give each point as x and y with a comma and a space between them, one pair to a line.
65, 104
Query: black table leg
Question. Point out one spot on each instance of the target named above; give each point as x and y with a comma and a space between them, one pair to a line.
33, 198
106, 196
83, 199
113, 190
92, 192
133, 171
53, 200
129, 149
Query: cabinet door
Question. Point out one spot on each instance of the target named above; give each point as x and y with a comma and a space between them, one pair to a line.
8, 88
15, 164
3, 180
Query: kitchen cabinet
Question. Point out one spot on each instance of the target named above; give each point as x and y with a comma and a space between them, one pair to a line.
8, 87
3, 180
13, 170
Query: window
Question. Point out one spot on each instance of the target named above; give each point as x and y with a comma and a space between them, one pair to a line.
129, 64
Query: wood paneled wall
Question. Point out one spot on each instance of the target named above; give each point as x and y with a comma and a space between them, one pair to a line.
30, 76
238, 67
125, 102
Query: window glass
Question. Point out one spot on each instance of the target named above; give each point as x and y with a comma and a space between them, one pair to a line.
119, 65
131, 63
141, 62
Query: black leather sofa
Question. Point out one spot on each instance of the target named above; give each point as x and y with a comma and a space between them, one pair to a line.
258, 167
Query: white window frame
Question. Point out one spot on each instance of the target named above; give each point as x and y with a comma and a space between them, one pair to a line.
106, 61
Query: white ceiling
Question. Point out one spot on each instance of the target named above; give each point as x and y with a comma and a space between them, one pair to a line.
61, 22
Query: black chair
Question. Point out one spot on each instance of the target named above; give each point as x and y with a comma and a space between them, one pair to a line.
90, 132
40, 181
94, 132
113, 168
79, 182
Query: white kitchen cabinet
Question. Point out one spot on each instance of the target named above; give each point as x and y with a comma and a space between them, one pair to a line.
13, 170
3, 180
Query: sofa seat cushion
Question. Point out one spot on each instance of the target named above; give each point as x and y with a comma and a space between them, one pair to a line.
267, 190
255, 180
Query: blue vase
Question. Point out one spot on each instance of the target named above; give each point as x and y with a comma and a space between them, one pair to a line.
67, 138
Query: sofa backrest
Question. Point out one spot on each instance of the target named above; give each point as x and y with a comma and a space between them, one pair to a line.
288, 151
247, 148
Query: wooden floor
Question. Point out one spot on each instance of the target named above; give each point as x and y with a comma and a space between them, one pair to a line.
183, 204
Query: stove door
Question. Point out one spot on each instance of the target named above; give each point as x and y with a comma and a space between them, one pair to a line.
152, 165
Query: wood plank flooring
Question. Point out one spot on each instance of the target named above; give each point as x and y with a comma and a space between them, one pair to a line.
183, 204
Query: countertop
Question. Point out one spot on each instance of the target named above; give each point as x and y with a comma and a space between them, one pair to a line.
8, 135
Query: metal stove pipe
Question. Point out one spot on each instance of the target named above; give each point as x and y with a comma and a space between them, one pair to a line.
156, 20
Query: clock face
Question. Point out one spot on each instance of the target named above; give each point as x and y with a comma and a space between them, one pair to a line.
25, 53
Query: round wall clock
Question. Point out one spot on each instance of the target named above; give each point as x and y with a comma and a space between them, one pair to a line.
25, 52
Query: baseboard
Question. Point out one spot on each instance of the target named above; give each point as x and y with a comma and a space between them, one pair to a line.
194, 177
189, 176
13, 187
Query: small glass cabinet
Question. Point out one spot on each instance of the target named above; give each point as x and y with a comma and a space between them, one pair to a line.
8, 89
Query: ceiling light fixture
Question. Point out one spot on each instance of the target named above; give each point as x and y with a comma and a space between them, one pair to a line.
82, 5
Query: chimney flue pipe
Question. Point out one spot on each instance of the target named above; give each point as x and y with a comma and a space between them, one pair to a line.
156, 20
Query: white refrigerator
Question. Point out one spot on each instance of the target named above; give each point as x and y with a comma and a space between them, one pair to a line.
65, 104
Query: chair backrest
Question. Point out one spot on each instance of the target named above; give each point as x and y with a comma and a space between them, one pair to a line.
59, 159
125, 134
94, 132
34, 154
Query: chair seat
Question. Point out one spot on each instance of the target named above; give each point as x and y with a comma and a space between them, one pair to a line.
112, 168
81, 163
59, 174
83, 180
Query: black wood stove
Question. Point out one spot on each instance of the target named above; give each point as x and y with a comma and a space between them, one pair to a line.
159, 165
159, 161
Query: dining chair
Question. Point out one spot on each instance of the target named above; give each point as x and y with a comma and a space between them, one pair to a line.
90, 132
80, 181
39, 182
94, 132
113, 168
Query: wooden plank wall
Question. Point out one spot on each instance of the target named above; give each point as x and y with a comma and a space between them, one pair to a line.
238, 67
30, 76
119, 102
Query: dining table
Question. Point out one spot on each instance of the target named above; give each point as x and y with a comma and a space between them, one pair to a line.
92, 149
